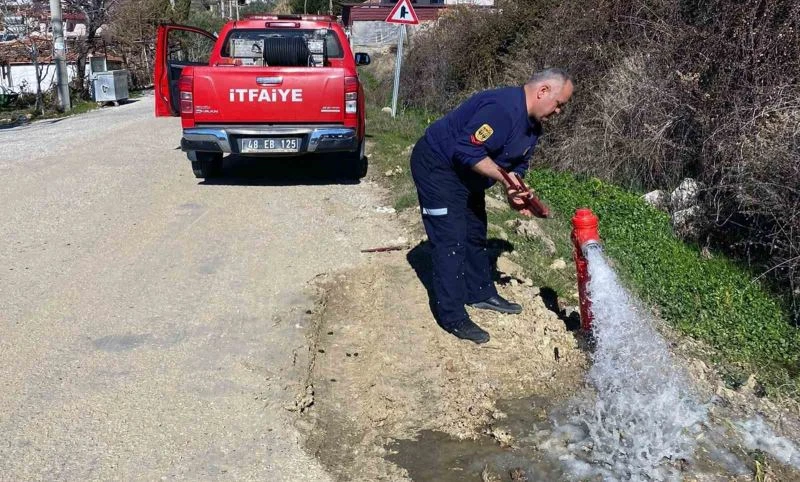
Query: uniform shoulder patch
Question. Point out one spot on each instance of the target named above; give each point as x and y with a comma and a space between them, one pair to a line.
483, 133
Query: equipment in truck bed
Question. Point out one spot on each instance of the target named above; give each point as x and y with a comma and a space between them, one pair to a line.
281, 50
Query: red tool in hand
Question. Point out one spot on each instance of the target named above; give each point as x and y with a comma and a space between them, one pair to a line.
524, 193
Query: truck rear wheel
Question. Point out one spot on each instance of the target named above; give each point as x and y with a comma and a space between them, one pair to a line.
356, 163
206, 165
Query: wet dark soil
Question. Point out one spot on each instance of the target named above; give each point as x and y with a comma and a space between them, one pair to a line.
435, 456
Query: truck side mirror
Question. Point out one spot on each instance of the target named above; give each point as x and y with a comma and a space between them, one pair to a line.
362, 58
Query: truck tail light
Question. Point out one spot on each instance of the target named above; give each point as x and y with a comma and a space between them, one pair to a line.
350, 95
187, 106
186, 100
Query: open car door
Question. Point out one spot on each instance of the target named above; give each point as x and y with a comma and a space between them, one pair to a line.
176, 47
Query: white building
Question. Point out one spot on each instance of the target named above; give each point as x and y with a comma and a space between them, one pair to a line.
18, 72
22, 77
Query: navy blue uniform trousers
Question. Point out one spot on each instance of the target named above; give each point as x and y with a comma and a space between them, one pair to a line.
453, 210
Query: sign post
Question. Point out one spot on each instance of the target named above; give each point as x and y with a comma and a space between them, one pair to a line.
397, 64
403, 14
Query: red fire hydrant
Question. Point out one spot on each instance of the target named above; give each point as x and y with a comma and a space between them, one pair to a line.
584, 234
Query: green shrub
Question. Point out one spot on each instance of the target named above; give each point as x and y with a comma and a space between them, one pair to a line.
714, 300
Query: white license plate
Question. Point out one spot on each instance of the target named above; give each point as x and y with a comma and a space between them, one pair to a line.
270, 144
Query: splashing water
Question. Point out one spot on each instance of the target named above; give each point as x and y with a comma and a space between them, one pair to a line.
644, 417
757, 435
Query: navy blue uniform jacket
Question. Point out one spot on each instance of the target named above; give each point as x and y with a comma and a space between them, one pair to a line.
491, 123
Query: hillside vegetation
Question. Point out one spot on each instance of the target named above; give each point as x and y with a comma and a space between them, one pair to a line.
666, 89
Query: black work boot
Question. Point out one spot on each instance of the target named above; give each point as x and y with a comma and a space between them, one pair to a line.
498, 303
467, 330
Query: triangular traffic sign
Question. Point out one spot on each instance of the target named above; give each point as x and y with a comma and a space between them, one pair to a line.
403, 13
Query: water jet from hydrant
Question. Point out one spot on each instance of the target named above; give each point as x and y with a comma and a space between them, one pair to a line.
644, 414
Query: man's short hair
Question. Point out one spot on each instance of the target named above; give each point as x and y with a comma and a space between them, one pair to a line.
550, 74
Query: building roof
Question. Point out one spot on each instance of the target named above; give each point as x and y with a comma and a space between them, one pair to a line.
366, 12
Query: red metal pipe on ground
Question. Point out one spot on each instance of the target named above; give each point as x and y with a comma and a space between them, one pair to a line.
584, 234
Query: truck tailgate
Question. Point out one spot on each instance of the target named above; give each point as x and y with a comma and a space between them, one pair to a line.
285, 95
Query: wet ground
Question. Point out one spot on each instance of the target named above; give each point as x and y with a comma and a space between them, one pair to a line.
437, 456
515, 448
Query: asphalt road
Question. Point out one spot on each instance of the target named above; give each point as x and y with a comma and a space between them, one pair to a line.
153, 326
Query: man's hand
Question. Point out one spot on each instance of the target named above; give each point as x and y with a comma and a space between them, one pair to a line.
517, 203
522, 198
487, 167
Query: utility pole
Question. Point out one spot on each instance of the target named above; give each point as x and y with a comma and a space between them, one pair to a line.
59, 54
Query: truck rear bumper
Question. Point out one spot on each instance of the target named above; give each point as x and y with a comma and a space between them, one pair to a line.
313, 138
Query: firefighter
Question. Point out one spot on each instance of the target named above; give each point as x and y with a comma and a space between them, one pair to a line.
453, 163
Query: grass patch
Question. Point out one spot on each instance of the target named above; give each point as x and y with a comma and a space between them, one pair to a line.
78, 107
389, 144
18, 115
390, 140
713, 300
